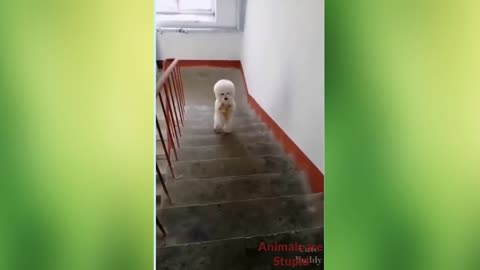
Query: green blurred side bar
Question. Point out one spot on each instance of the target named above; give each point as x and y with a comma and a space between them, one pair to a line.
77, 86
402, 135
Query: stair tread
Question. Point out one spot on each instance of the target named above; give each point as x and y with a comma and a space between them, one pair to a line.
195, 114
241, 218
210, 108
217, 190
238, 253
232, 191
233, 138
208, 129
205, 152
208, 121
234, 166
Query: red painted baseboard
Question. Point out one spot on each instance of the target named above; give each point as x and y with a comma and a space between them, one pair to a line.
315, 176
208, 63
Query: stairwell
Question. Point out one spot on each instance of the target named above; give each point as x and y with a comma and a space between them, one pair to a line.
231, 192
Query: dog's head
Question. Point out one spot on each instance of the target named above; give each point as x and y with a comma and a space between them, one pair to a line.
224, 91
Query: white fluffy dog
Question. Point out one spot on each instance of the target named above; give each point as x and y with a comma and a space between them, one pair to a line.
224, 106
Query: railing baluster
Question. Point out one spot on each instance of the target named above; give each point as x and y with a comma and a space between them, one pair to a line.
169, 128
161, 227
177, 93
163, 182
181, 86
177, 109
171, 109
172, 102
167, 154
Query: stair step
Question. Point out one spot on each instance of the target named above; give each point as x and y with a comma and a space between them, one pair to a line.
196, 113
232, 167
242, 108
200, 121
216, 190
206, 152
239, 253
232, 138
207, 121
189, 153
240, 219
208, 129
264, 149
203, 117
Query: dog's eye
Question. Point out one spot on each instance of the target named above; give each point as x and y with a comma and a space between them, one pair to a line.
222, 94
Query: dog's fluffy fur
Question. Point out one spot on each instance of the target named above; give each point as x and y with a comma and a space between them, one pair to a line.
224, 106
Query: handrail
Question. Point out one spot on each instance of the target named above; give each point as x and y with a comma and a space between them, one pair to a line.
172, 102
165, 75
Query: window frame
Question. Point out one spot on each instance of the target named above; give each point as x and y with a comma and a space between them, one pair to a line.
211, 12
226, 18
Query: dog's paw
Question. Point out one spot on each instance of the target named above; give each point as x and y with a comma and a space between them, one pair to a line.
227, 130
217, 127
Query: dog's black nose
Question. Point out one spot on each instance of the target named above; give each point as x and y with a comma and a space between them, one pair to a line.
226, 98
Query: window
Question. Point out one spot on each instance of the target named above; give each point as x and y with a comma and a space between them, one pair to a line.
172, 7
197, 15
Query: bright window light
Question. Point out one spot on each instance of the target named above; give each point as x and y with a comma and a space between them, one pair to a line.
185, 6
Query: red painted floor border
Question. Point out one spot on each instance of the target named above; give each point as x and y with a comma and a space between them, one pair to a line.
315, 176
207, 63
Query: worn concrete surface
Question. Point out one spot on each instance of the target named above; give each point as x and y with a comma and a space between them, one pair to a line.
239, 253
234, 188
200, 223
231, 191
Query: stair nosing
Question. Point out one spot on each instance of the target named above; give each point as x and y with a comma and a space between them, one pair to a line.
226, 178
204, 145
241, 156
239, 145
241, 237
163, 157
312, 194
211, 159
266, 131
234, 201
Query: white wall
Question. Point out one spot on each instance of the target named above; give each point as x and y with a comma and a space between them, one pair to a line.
283, 62
223, 43
199, 45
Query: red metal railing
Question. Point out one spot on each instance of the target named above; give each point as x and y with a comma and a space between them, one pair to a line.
171, 98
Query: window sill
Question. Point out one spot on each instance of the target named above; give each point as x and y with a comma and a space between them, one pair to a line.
190, 23
179, 18
197, 30
185, 20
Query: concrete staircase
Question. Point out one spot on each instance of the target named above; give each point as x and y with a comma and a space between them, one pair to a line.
230, 193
